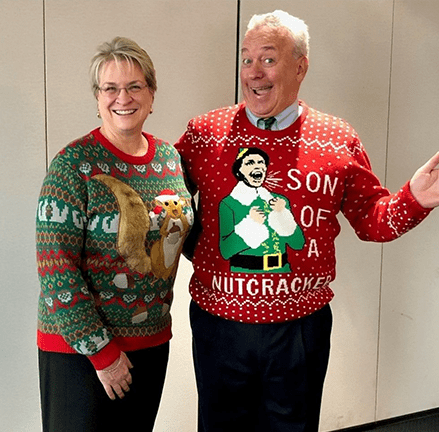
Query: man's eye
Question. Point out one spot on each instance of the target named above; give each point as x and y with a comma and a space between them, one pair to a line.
268, 61
246, 61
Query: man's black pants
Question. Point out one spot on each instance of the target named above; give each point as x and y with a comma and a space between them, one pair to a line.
260, 377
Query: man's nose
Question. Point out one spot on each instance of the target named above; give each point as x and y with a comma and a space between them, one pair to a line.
255, 71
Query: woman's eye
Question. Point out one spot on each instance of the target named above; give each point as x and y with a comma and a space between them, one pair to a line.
110, 89
134, 88
268, 61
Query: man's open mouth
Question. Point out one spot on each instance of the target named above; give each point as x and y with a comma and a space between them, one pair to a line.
260, 91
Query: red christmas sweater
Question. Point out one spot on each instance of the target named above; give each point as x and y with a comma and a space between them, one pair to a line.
268, 205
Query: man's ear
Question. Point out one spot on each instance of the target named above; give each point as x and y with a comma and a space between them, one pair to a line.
302, 68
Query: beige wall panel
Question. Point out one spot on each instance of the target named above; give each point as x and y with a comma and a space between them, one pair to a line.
192, 44
22, 167
349, 77
409, 352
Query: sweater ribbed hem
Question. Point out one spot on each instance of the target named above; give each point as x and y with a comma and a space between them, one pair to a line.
110, 353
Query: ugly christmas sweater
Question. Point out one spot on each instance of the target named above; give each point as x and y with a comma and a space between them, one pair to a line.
110, 229
268, 205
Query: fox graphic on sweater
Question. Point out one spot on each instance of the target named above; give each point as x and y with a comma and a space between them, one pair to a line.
165, 251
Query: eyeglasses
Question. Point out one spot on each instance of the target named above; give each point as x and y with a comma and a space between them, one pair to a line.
113, 91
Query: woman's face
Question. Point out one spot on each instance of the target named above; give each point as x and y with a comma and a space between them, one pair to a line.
123, 113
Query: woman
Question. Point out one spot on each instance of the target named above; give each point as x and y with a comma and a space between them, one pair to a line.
112, 217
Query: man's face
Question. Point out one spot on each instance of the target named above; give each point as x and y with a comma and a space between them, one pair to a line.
270, 74
253, 169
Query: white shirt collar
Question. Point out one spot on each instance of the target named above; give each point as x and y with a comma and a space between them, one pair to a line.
283, 120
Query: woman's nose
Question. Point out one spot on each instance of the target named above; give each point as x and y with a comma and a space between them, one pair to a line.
123, 96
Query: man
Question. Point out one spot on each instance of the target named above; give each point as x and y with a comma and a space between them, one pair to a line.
261, 339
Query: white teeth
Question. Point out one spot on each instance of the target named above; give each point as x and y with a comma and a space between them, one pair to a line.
124, 112
259, 90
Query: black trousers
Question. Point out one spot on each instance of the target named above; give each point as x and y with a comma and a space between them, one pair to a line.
74, 400
260, 377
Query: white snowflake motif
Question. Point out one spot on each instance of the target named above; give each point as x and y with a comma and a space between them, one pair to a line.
65, 297
85, 291
104, 167
85, 168
122, 167
149, 298
163, 294
105, 295
157, 167
49, 301
171, 165
129, 298
94, 344
140, 168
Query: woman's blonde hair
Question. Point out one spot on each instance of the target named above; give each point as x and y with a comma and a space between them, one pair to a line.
122, 49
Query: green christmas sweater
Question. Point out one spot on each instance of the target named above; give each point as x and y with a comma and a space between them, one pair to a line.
110, 229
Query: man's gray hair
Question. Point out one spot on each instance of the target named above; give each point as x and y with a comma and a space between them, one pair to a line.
295, 27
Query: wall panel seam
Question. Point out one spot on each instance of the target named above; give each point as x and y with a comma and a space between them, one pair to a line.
386, 165
46, 144
237, 53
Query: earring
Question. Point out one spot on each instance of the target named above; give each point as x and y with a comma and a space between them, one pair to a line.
151, 111
98, 114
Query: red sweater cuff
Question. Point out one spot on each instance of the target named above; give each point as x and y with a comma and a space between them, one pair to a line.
106, 356
407, 191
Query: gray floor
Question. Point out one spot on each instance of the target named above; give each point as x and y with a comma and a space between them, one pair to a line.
429, 422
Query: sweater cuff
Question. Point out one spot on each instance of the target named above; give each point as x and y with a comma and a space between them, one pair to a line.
406, 192
106, 356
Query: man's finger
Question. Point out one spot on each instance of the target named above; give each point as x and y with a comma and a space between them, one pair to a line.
431, 164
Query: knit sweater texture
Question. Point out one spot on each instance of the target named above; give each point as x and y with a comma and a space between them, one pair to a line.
110, 229
268, 205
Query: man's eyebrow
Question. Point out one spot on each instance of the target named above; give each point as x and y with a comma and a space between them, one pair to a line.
264, 48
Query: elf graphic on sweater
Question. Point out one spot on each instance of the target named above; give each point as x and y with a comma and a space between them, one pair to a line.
256, 225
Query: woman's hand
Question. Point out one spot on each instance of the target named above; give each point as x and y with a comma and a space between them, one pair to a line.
116, 378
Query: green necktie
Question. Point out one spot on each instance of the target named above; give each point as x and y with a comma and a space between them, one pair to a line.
267, 122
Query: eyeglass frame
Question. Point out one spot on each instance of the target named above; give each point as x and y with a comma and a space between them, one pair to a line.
128, 89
